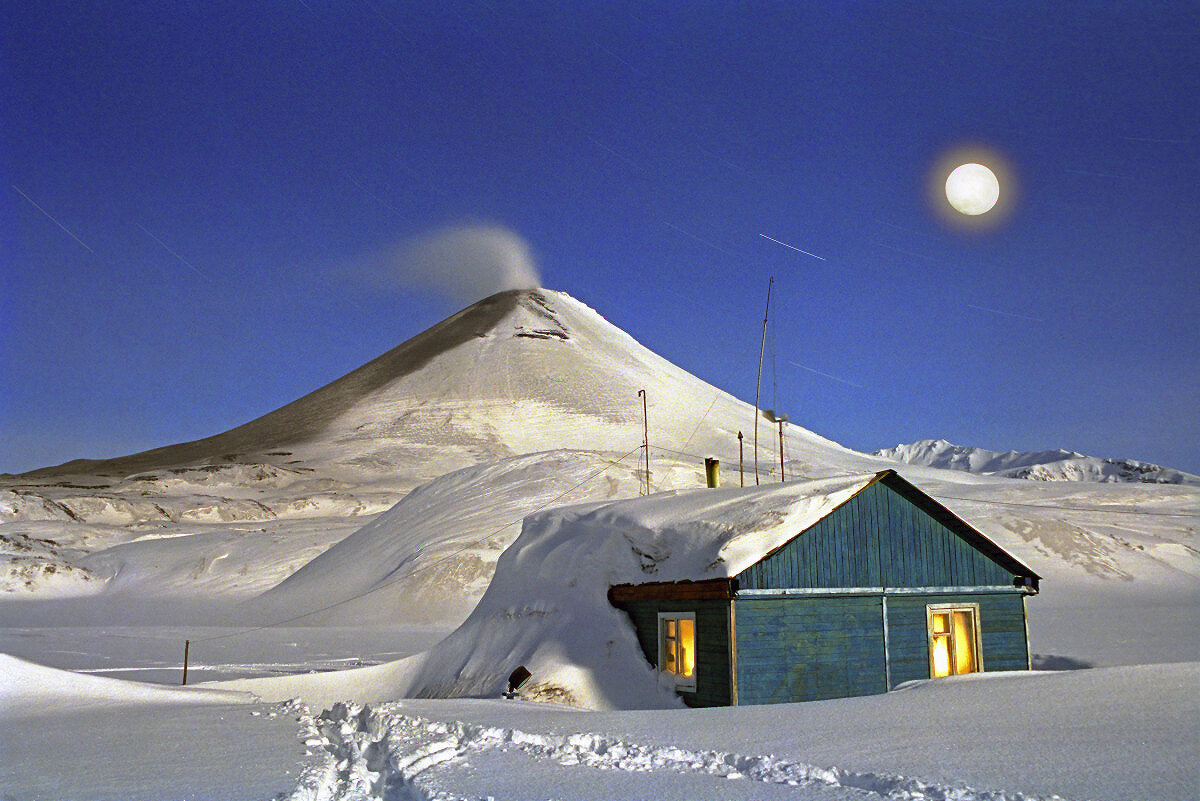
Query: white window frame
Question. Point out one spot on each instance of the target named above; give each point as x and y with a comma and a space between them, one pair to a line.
685, 683
977, 644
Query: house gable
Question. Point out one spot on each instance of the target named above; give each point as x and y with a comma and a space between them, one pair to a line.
855, 603
889, 535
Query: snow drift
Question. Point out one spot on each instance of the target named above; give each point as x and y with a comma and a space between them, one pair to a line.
547, 605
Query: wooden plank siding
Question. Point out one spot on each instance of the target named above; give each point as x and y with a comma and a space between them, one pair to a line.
712, 643
1001, 629
809, 617
878, 538
807, 649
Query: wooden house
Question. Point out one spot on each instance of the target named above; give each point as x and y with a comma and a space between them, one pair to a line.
888, 587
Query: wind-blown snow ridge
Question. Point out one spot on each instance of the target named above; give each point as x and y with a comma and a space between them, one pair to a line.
29, 690
1055, 465
432, 555
384, 752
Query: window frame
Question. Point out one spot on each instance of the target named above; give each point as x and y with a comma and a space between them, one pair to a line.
976, 639
681, 682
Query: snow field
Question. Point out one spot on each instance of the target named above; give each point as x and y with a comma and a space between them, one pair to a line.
1117, 734
155, 653
153, 752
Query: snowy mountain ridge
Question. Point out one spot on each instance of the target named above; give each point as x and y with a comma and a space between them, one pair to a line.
1053, 465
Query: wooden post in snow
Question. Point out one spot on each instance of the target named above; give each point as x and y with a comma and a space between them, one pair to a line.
646, 437
741, 461
782, 475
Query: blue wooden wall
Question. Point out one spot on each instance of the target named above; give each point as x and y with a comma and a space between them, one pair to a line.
1001, 629
877, 539
712, 644
808, 648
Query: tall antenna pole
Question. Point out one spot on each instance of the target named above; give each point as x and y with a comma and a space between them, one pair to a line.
758, 383
646, 437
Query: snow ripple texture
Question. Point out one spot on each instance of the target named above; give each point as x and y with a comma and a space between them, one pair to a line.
383, 754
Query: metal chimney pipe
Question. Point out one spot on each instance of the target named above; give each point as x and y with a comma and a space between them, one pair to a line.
712, 472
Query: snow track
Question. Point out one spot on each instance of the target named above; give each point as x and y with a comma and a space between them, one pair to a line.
361, 763
382, 753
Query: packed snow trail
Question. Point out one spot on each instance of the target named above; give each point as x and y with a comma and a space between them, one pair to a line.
359, 760
383, 753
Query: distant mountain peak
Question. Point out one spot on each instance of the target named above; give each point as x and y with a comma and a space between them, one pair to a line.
1050, 465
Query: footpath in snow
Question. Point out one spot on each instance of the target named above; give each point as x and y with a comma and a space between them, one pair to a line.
1124, 733
386, 753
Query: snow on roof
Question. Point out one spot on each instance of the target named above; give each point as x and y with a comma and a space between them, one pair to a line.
675, 536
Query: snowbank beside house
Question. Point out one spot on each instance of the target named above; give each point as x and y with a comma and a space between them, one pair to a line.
547, 606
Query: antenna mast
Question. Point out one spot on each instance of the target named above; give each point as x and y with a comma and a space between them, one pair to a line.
646, 437
758, 383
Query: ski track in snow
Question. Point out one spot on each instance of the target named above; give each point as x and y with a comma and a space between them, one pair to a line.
381, 753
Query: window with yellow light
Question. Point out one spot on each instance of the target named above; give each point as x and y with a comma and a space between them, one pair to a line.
953, 639
677, 648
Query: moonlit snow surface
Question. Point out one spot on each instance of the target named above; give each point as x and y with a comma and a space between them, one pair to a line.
456, 486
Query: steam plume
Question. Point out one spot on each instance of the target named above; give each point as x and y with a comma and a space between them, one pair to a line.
467, 262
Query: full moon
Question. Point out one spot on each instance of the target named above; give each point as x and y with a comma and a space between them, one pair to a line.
972, 189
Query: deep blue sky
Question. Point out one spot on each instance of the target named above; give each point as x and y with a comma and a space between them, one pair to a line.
209, 173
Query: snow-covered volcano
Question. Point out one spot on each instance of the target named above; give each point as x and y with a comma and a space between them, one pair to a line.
519, 372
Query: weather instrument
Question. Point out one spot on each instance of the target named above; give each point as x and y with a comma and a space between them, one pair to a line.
780, 419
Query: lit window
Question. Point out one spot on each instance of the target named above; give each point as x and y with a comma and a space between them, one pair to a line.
677, 647
953, 639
